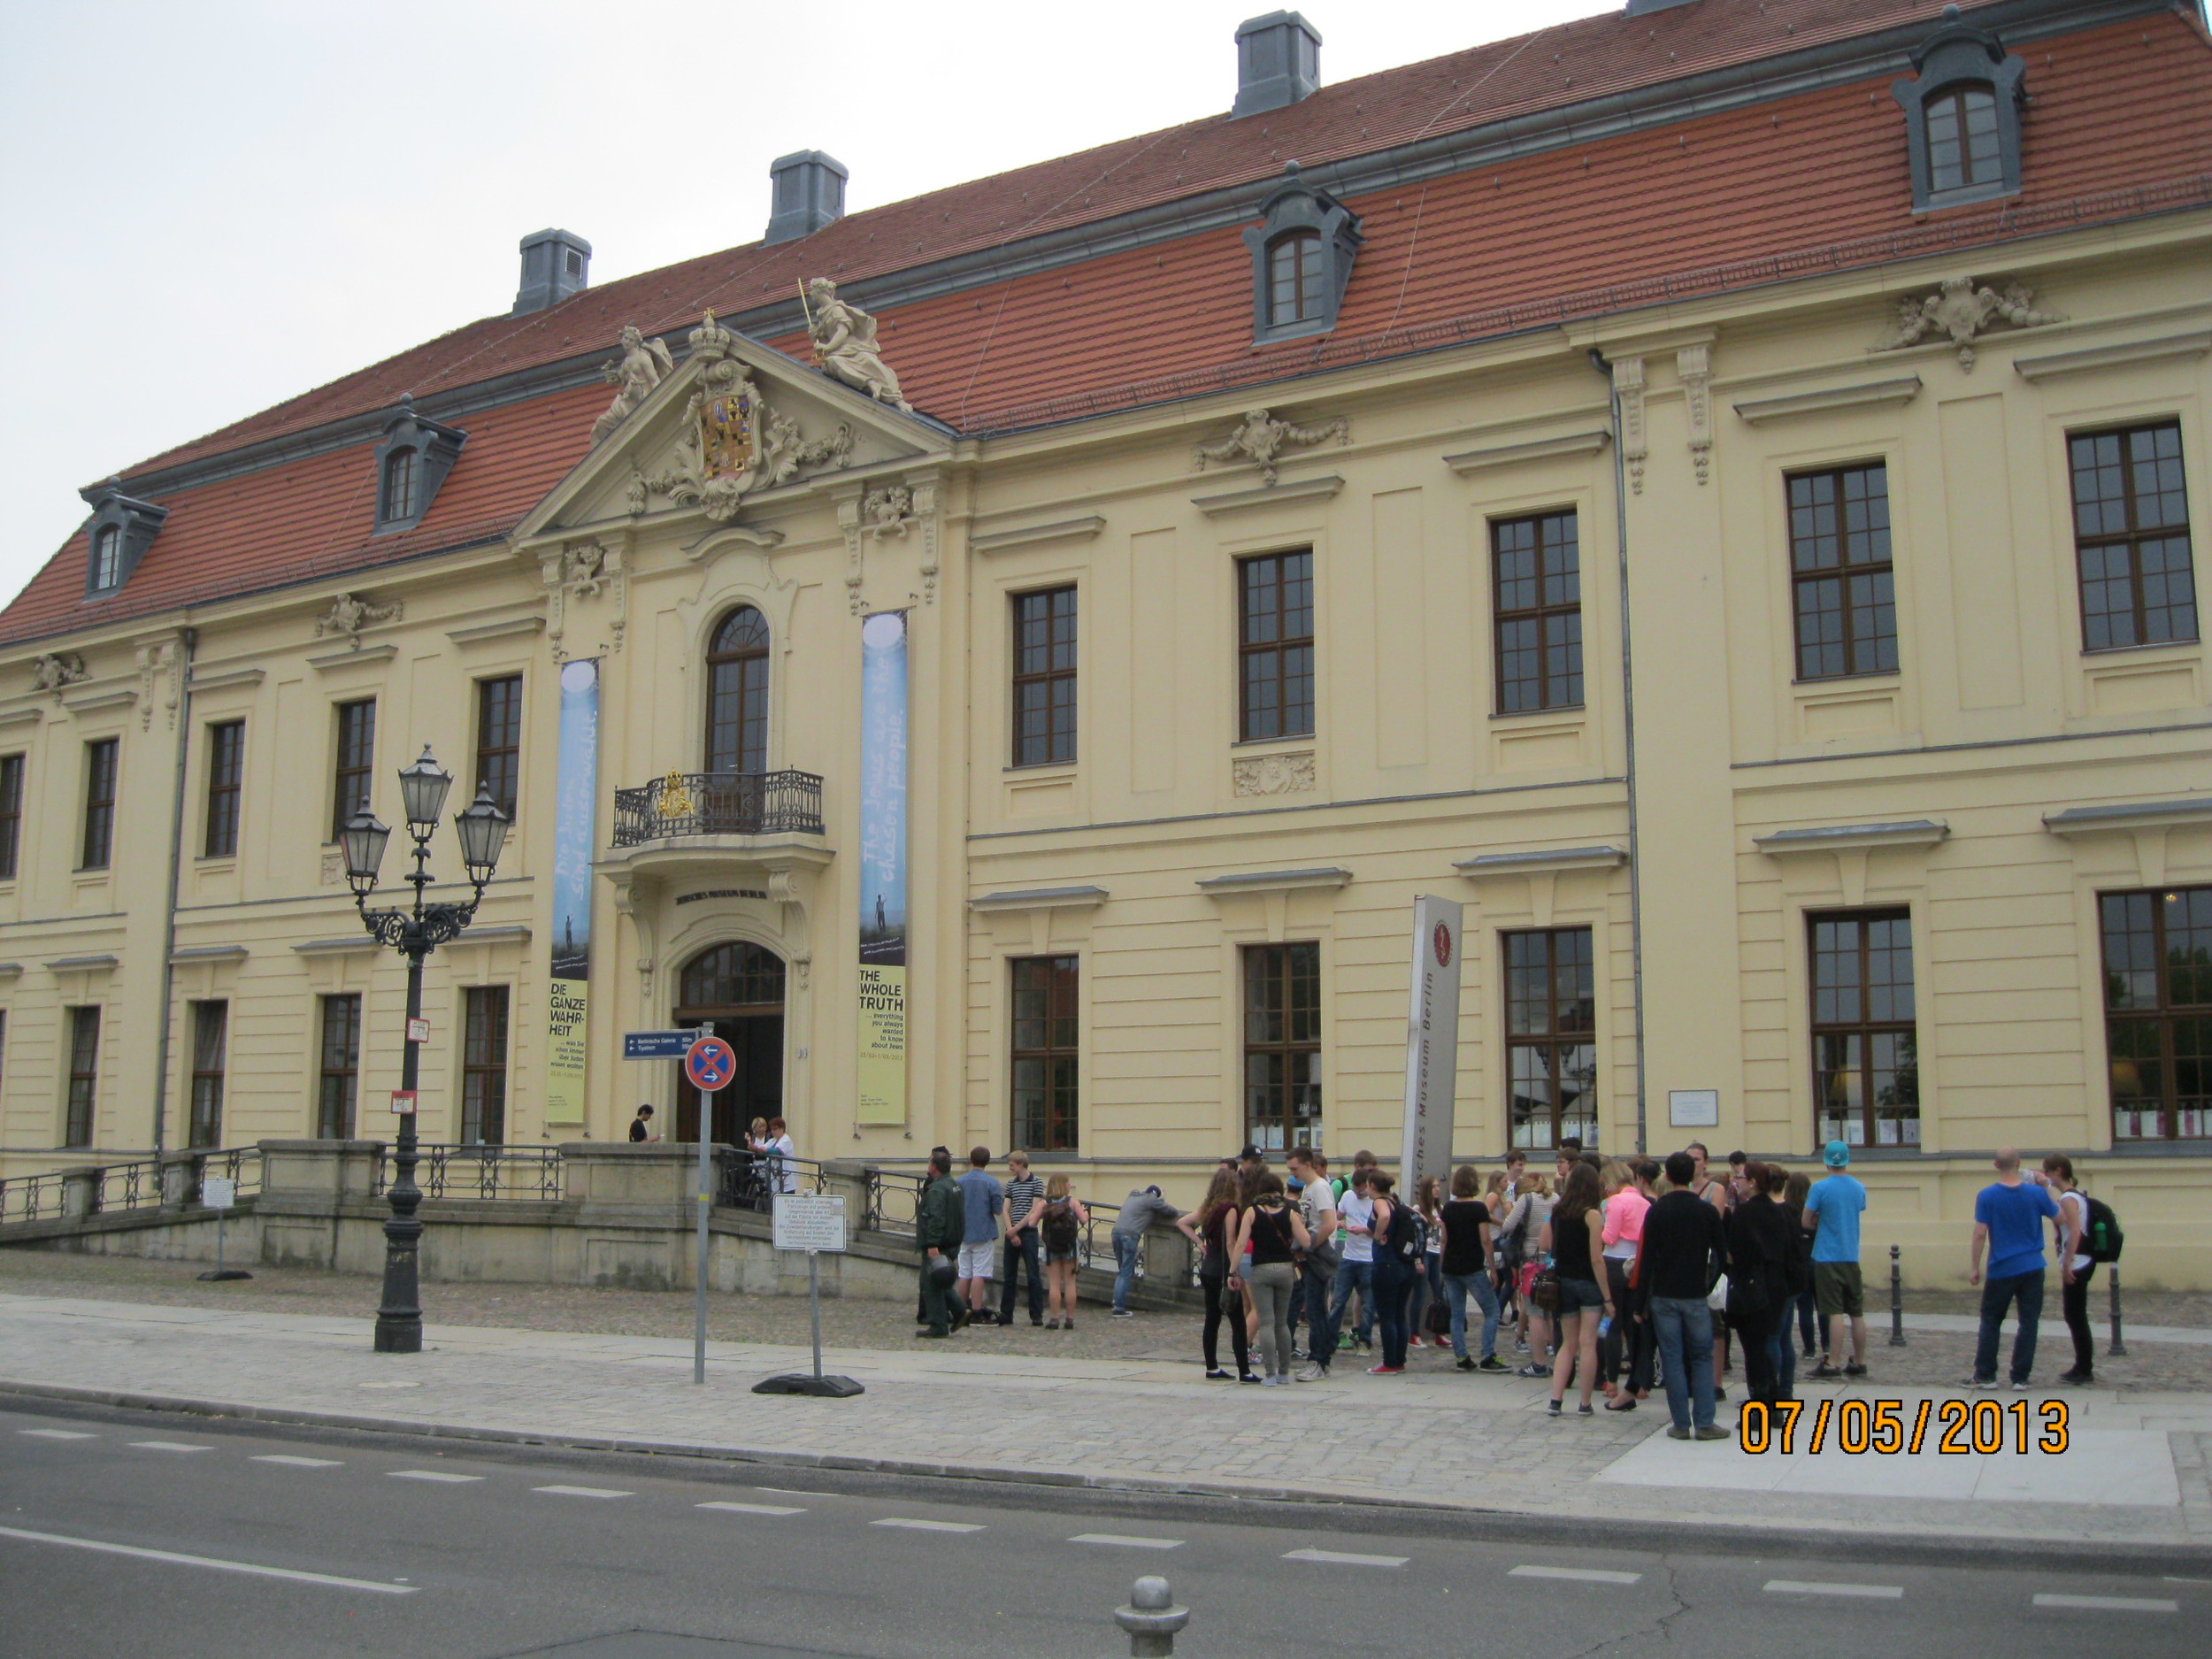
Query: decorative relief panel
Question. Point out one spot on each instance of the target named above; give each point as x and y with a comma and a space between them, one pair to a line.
1259, 440
1273, 774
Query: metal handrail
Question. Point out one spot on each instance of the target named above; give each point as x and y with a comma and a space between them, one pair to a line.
745, 1179
478, 1171
894, 1193
718, 803
138, 1185
30, 1197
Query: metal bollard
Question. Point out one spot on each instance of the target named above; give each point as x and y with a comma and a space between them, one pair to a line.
2118, 1346
1150, 1618
1896, 1299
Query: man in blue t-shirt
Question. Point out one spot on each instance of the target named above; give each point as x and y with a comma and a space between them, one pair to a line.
982, 1201
2008, 1218
1833, 1208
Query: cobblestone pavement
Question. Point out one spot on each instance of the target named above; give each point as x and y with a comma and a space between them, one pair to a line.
1932, 1359
1432, 1436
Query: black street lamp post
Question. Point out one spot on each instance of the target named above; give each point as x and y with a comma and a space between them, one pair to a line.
415, 933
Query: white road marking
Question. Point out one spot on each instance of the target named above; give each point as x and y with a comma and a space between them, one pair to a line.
57, 1434
754, 1509
1126, 1542
427, 1474
585, 1492
785, 1492
930, 1527
1801, 1586
171, 1446
298, 1463
2109, 1603
1343, 1560
1580, 1575
210, 1561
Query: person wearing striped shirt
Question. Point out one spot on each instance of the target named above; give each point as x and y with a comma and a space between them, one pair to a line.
1024, 1192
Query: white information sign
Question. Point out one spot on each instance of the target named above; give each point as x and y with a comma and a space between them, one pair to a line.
1432, 1043
218, 1192
1693, 1108
418, 1031
810, 1221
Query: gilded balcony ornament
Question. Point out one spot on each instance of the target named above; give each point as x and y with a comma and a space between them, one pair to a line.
1963, 312
1260, 438
674, 800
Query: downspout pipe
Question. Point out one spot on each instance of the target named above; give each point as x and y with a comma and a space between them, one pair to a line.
1628, 723
190, 638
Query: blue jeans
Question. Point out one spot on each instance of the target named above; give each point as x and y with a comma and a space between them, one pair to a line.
1684, 1326
1428, 1285
1782, 1354
1125, 1250
1023, 1250
1351, 1276
1392, 1286
2026, 1289
1320, 1328
1458, 1288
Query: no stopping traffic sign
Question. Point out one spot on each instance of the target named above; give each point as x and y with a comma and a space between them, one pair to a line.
709, 1063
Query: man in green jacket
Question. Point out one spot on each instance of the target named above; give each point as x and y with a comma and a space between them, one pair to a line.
939, 1223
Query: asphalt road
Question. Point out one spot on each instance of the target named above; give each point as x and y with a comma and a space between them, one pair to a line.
124, 1534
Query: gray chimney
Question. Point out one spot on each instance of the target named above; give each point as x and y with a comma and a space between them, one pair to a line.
1279, 62
806, 192
1645, 8
554, 265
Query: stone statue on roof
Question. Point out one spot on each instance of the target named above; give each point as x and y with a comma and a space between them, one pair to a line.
644, 364
1262, 438
845, 344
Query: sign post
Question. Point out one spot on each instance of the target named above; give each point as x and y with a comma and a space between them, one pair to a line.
220, 1193
812, 1222
710, 1063
1431, 1044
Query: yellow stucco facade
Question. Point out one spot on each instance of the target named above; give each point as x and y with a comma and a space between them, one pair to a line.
1750, 804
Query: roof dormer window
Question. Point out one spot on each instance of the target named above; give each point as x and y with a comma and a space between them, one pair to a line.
1963, 116
120, 530
1302, 259
412, 462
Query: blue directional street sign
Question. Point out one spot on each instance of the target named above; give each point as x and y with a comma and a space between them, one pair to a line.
656, 1045
709, 1063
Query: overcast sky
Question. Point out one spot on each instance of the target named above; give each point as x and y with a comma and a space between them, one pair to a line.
209, 205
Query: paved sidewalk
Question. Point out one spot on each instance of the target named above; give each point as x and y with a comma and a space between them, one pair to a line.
2135, 1472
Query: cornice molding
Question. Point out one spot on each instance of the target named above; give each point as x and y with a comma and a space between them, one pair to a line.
334, 947
1550, 859
2094, 820
1468, 462
1891, 394
22, 717
506, 628
364, 657
1273, 881
1063, 530
1268, 496
207, 953
2166, 346
1041, 899
1920, 832
120, 697
84, 965
225, 679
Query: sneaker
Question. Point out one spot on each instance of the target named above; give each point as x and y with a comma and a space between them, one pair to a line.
1464, 1364
1534, 1369
1678, 1434
1711, 1432
1252, 1376
1052, 1324
2077, 1378
1551, 1409
2019, 1388
1219, 1375
1123, 1313
1037, 1323
1720, 1394
1415, 1341
1825, 1371
1520, 1345
1067, 1324
1988, 1384
1855, 1369
1346, 1343
1314, 1374
1366, 1346
1491, 1365
1384, 1371
1584, 1410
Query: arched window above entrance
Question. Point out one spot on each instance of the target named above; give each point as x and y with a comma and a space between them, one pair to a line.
740, 974
737, 693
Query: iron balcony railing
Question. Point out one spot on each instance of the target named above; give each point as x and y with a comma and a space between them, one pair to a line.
718, 803
112, 1187
750, 1180
445, 1171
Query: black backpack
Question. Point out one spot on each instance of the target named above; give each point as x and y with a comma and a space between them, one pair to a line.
1408, 1235
2100, 1235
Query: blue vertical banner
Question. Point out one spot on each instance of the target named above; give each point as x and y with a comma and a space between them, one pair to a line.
883, 696
576, 799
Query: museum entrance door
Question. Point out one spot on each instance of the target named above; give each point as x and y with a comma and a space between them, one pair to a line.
738, 989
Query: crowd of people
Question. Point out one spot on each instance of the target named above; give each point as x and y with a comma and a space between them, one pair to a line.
1612, 1277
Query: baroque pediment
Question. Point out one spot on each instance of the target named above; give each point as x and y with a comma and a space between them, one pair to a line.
715, 432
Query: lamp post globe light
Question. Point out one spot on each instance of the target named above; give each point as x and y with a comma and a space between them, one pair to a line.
415, 932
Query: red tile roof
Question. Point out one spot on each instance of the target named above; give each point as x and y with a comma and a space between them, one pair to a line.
1806, 182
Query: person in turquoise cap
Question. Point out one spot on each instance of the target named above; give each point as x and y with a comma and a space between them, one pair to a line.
1833, 1210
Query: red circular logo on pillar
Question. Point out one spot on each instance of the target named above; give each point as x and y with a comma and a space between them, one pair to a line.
1443, 946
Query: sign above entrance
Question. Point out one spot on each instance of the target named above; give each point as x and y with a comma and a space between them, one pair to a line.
656, 1045
709, 1063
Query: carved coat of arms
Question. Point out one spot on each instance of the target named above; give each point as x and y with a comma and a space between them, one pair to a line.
729, 431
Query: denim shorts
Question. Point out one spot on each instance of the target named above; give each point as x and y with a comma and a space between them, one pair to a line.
1576, 1296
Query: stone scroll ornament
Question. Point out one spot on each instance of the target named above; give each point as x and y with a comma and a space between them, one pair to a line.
1260, 438
51, 673
732, 442
845, 345
349, 613
1963, 313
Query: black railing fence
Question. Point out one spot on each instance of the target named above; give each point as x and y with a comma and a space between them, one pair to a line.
718, 803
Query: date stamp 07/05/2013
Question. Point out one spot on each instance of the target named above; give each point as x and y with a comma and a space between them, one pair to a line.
1888, 1427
